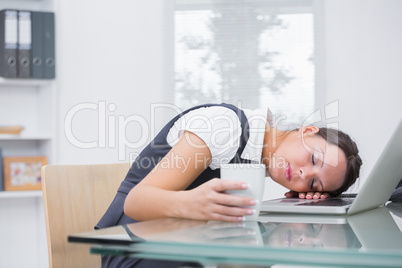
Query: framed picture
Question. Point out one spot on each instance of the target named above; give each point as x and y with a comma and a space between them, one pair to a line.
23, 173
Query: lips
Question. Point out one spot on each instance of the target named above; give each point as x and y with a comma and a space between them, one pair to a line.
288, 172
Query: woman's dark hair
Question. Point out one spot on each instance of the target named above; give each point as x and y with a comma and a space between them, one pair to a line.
349, 147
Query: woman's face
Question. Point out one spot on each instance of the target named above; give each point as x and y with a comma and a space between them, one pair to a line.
309, 235
305, 162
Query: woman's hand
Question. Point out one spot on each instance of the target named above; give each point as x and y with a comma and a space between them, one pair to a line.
210, 202
308, 195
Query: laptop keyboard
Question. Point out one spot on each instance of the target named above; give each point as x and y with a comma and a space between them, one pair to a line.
329, 202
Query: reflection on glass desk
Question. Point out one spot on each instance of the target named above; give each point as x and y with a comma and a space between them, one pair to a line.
368, 239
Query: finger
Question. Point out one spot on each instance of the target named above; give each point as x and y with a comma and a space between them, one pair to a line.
302, 195
324, 195
219, 217
231, 214
288, 195
291, 194
234, 211
224, 185
234, 200
213, 225
309, 195
317, 195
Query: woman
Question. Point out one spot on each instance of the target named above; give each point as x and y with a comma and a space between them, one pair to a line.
176, 175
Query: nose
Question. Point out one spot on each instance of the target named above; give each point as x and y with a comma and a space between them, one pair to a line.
306, 172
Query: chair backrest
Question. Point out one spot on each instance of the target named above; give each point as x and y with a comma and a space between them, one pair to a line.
75, 197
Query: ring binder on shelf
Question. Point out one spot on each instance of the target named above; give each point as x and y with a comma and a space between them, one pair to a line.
24, 44
38, 30
49, 46
8, 43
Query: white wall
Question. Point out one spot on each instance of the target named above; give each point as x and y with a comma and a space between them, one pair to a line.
117, 52
363, 70
112, 52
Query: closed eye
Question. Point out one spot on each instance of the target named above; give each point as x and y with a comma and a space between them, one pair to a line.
312, 159
312, 184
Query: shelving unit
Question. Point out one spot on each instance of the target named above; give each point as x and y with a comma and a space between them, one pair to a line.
24, 82
20, 194
30, 103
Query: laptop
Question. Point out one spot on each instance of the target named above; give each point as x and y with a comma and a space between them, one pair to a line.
375, 191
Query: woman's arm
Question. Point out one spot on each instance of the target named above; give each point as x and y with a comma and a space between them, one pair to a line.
162, 192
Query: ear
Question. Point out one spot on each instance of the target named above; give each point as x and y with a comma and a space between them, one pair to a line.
309, 130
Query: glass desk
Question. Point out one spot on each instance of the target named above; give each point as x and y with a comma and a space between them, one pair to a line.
369, 239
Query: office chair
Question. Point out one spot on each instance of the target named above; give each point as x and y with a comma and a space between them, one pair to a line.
75, 197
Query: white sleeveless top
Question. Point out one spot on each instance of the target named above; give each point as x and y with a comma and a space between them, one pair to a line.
219, 127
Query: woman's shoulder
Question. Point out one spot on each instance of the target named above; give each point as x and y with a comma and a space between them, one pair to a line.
211, 111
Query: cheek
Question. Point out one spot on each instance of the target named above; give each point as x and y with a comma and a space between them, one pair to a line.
277, 165
278, 161
273, 173
299, 186
294, 154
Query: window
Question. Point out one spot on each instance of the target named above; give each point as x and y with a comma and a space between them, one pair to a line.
254, 54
